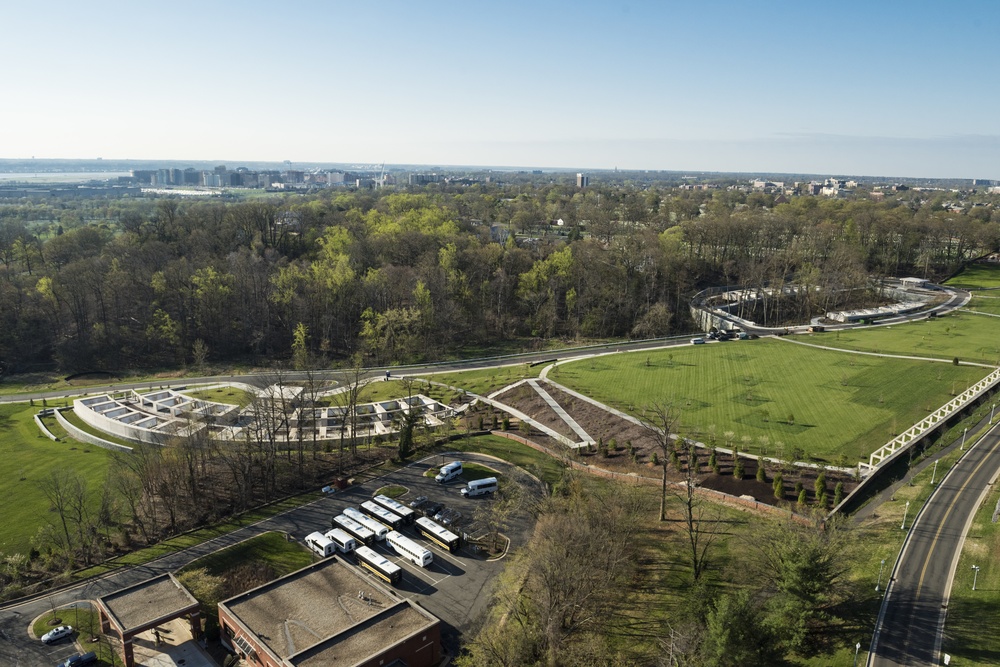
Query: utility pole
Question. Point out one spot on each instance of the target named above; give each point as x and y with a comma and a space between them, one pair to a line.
975, 576
934, 474
906, 509
879, 582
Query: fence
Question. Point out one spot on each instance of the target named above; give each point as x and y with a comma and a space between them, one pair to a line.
635, 478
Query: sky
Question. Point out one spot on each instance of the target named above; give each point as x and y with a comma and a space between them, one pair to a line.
876, 87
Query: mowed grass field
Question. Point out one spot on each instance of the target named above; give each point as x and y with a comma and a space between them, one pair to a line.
976, 276
837, 407
25, 452
985, 303
487, 380
968, 336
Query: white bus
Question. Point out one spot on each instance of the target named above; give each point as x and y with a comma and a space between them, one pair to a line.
438, 534
368, 522
449, 472
409, 549
382, 515
397, 508
480, 487
379, 565
345, 543
354, 529
319, 543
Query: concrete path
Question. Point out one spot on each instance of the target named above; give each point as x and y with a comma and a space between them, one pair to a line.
558, 409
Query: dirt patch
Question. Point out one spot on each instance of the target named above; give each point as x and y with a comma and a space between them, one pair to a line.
528, 401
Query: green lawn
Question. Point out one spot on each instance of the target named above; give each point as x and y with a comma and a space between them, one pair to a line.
976, 276
985, 303
829, 404
392, 491
488, 380
973, 623
968, 336
86, 623
541, 465
271, 548
228, 395
26, 458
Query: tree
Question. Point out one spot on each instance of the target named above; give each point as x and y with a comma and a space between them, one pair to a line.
736, 634
738, 471
778, 484
658, 419
761, 472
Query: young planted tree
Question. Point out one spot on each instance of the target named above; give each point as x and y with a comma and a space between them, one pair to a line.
658, 419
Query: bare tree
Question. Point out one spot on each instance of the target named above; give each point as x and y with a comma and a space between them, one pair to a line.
658, 419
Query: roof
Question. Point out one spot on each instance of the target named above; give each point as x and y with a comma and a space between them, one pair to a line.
314, 613
147, 603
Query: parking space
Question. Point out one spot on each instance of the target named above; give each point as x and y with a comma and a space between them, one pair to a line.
455, 586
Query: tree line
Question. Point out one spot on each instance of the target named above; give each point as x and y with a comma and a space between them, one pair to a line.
403, 276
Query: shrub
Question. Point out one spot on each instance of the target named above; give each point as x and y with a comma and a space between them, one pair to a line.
738, 471
675, 460
820, 484
654, 459
838, 493
779, 486
802, 498
713, 462
761, 472
506, 422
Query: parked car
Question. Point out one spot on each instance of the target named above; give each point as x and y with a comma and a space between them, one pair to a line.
450, 516
431, 509
697, 341
439, 517
418, 502
79, 660
55, 634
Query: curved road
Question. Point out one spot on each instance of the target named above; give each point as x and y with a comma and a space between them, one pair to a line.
910, 625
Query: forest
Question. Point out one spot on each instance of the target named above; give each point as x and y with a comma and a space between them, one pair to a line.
445, 271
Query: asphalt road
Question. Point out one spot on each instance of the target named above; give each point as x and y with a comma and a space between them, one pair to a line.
266, 378
455, 587
911, 622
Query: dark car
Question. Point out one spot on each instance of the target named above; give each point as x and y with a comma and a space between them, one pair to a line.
431, 509
78, 660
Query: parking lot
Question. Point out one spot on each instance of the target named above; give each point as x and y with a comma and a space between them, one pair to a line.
454, 587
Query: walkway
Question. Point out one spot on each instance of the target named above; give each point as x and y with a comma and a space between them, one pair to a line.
558, 409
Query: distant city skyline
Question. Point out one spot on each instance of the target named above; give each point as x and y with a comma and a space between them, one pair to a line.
888, 88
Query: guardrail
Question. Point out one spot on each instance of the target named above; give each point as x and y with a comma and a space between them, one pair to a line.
929, 422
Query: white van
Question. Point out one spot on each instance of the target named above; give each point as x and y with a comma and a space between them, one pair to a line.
697, 341
480, 487
319, 543
449, 472
345, 543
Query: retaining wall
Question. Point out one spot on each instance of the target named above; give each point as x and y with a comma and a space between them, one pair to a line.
41, 425
83, 436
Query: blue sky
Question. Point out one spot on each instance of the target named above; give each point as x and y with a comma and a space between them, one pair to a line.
878, 88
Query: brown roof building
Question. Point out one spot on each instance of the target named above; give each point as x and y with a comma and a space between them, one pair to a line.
328, 614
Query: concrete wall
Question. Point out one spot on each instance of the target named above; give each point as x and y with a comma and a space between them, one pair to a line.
83, 436
41, 425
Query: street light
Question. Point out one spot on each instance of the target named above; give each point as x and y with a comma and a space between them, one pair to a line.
964, 433
975, 576
906, 509
879, 583
857, 647
992, 411
934, 474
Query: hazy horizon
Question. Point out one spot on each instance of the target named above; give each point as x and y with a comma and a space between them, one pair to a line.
716, 86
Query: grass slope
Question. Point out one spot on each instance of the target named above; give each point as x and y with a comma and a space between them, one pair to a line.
488, 380
968, 336
843, 405
271, 548
976, 276
25, 452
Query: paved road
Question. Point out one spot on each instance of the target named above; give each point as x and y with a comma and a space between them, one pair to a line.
263, 378
911, 621
455, 587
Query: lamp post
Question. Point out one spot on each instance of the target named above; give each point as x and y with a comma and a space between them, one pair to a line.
879, 582
992, 411
934, 474
906, 509
964, 433
975, 576
857, 647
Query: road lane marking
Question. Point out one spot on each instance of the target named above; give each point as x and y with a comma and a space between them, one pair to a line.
944, 519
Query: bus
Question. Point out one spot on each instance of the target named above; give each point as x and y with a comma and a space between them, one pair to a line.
322, 545
397, 508
342, 540
438, 534
480, 487
368, 522
354, 529
382, 515
379, 565
409, 549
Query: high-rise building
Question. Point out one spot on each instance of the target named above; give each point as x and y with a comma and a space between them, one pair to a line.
582, 180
